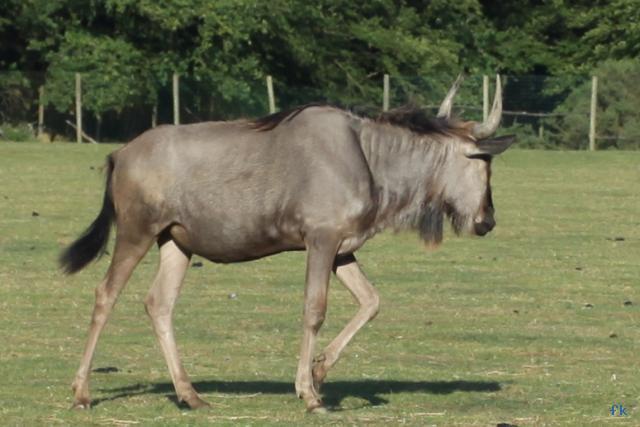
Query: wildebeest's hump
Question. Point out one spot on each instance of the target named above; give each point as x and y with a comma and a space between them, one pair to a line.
272, 121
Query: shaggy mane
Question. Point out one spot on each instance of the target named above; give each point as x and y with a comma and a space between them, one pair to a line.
417, 120
409, 117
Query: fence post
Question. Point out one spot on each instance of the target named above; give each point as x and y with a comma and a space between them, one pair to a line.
592, 116
176, 99
78, 108
485, 97
40, 111
385, 93
272, 98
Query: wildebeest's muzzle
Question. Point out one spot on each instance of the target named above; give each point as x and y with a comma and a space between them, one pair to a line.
485, 226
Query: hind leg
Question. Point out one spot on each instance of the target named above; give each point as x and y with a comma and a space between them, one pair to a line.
129, 249
159, 304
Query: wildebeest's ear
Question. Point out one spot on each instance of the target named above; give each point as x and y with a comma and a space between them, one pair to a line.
493, 146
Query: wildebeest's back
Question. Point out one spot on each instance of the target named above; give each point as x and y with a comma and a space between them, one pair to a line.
238, 193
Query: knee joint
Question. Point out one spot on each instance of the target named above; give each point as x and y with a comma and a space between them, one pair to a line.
314, 319
150, 306
157, 308
373, 306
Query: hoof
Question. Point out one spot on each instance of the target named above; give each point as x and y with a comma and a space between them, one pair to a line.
316, 407
194, 402
81, 404
318, 410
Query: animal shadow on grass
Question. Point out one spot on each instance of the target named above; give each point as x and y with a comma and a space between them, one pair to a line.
333, 392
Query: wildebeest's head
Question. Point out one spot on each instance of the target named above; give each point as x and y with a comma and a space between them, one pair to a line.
466, 192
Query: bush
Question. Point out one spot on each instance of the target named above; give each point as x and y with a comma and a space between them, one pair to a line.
18, 133
527, 136
617, 115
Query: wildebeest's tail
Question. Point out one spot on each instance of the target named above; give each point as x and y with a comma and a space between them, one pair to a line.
94, 240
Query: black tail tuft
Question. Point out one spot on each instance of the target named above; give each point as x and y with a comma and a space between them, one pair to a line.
93, 241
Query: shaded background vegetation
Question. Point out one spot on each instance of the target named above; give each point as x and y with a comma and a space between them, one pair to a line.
332, 50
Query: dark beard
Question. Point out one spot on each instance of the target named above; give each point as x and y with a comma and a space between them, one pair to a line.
431, 222
458, 221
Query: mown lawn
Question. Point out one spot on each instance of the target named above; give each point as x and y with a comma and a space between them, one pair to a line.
536, 324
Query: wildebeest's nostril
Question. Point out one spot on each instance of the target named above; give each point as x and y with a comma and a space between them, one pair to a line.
482, 228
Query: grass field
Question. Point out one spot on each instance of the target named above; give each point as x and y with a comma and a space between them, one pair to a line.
527, 326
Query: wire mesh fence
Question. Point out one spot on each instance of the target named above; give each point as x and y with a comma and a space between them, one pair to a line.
543, 111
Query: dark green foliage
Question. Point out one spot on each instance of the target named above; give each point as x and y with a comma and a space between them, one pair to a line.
15, 95
113, 73
327, 50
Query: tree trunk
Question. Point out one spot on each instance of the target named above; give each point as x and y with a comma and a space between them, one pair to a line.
98, 126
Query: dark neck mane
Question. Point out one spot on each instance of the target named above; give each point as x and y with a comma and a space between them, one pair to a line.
418, 121
409, 117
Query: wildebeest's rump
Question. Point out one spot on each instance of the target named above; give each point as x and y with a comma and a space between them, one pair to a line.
316, 178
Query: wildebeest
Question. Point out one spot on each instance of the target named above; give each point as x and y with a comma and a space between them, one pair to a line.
316, 178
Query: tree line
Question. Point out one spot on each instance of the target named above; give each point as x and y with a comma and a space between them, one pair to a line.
332, 50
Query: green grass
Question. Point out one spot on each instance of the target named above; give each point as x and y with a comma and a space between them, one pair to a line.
480, 332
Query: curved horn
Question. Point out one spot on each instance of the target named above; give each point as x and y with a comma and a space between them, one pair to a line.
447, 103
489, 127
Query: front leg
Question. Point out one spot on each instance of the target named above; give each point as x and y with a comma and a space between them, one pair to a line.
349, 272
321, 251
